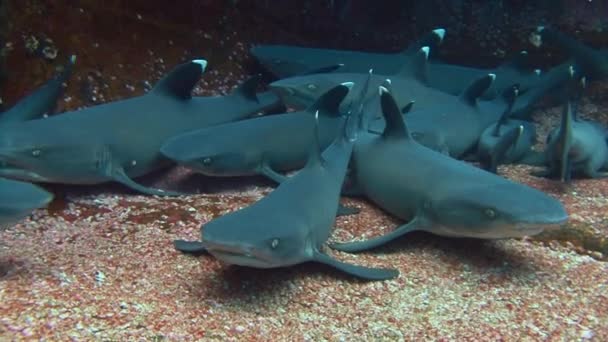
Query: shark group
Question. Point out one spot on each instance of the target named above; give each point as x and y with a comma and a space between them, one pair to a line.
386, 127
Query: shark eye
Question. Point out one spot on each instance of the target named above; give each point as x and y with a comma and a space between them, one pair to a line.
311, 86
489, 213
207, 160
35, 153
274, 243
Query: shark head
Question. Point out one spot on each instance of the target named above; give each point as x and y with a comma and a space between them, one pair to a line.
237, 240
30, 156
213, 152
495, 211
19, 199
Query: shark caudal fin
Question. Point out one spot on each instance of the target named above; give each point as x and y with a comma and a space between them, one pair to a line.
510, 96
248, 89
431, 39
395, 125
592, 62
180, 81
42, 100
476, 89
329, 102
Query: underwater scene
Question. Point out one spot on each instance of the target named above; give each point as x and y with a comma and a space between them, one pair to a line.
326, 170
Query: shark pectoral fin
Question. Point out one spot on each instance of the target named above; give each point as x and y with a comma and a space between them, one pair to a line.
358, 271
359, 246
345, 211
121, 177
190, 247
267, 171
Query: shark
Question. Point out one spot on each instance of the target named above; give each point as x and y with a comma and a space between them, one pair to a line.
286, 61
589, 62
507, 141
18, 199
41, 101
121, 140
290, 225
408, 180
436, 113
266, 145
576, 147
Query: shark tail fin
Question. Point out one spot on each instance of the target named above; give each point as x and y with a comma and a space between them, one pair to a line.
431, 39
248, 88
476, 89
180, 81
395, 125
315, 156
510, 95
329, 103
418, 66
564, 141
42, 100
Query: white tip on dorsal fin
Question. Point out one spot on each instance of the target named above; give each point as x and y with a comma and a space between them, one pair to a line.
349, 85
382, 90
180, 81
440, 32
425, 50
537, 72
201, 62
520, 129
492, 76
540, 28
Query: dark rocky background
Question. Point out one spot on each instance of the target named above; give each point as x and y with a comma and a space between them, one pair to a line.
122, 44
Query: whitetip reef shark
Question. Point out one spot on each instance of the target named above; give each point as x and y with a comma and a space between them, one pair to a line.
121, 140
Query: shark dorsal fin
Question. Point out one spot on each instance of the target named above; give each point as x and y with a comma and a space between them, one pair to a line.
180, 81
477, 89
248, 88
417, 66
432, 39
329, 103
314, 156
395, 125
510, 97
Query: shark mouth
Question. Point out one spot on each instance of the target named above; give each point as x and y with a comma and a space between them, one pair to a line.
241, 255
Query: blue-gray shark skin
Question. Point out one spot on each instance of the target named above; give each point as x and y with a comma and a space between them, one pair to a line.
442, 195
287, 61
121, 140
591, 63
576, 148
506, 141
291, 224
451, 124
265, 145
40, 101
18, 199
